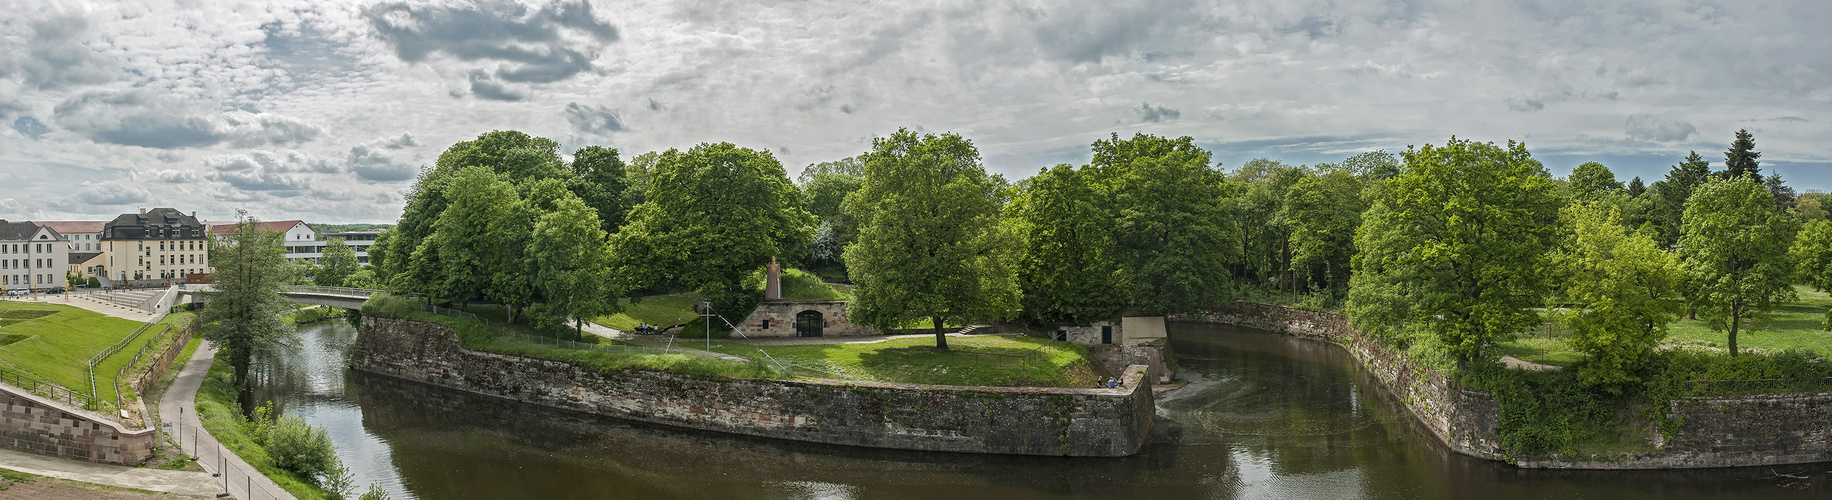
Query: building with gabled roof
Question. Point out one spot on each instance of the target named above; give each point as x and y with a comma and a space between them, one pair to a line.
84, 235
32, 257
155, 246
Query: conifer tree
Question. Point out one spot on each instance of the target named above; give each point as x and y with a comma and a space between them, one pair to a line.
1740, 160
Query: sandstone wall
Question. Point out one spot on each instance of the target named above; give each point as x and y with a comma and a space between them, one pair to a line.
777, 319
1027, 421
34, 424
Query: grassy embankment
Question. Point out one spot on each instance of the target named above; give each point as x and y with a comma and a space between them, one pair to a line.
1795, 325
220, 412
977, 360
15, 484
53, 342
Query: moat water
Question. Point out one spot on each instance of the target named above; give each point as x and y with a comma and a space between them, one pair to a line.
1264, 416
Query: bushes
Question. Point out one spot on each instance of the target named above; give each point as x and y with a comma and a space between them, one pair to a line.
1551, 412
301, 448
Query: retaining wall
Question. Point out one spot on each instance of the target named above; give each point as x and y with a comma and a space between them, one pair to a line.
34, 424
1024, 421
1714, 431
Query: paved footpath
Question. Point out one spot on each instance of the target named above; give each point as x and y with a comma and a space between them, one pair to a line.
177, 407
662, 340
176, 482
99, 302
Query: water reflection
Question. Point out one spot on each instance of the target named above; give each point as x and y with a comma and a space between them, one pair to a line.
1265, 416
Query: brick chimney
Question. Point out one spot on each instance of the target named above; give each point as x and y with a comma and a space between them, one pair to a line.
772, 281
142, 210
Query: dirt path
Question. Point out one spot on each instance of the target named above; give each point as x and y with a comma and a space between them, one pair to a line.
1513, 362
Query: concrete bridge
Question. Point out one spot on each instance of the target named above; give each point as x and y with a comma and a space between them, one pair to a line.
349, 298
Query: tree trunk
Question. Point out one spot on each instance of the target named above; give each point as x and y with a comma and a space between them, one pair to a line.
579, 329
941, 340
1736, 317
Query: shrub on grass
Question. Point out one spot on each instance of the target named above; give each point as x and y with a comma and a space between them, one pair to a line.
299, 447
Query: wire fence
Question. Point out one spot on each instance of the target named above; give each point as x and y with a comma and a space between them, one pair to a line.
236, 481
110, 351
1758, 386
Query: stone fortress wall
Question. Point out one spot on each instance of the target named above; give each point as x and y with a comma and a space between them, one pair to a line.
1715, 431
998, 420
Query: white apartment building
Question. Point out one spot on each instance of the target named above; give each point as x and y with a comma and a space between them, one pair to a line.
300, 241
84, 235
358, 240
32, 256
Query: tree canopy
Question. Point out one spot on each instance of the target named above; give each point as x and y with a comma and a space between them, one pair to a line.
1735, 246
245, 311
1457, 247
1622, 291
930, 245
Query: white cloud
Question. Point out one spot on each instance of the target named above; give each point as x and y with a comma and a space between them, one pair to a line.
388, 159
1645, 127
146, 119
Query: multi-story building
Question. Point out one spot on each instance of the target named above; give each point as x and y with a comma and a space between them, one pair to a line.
300, 241
358, 240
32, 257
84, 235
158, 245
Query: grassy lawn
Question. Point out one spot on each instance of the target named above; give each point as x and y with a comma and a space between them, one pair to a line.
105, 383
984, 360
675, 309
58, 346
1798, 324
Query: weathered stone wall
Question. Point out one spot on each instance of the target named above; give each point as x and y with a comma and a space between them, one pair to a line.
1027, 421
1090, 334
1714, 431
34, 424
1117, 358
777, 319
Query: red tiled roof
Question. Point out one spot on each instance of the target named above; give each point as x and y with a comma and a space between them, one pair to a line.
280, 226
73, 226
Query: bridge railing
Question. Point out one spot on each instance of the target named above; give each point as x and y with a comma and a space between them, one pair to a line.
331, 290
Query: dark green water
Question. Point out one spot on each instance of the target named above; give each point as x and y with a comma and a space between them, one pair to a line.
1265, 416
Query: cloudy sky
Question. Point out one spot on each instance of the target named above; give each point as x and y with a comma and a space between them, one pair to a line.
325, 110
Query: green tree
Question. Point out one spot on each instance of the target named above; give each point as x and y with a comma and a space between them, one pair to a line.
1741, 159
364, 278
598, 180
572, 264
1636, 188
1266, 237
1592, 180
379, 253
1175, 228
1812, 253
1457, 247
1735, 246
482, 238
1323, 212
639, 172
245, 306
336, 265
714, 214
854, 166
515, 155
1623, 291
1669, 196
930, 245
1067, 271
822, 195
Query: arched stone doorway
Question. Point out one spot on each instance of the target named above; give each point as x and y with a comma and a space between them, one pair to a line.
809, 324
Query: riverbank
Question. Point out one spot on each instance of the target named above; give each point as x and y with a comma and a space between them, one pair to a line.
995, 420
1731, 430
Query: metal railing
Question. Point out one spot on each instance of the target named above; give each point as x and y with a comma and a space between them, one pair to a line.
210, 454
48, 389
331, 290
120, 403
111, 350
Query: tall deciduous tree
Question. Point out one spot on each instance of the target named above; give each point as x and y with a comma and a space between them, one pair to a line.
1735, 245
1323, 212
1592, 180
1068, 272
930, 245
1175, 230
572, 264
1457, 247
598, 180
482, 237
1812, 252
714, 214
1623, 290
243, 315
1741, 159
337, 263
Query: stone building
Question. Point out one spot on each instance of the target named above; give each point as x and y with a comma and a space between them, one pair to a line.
1131, 330
161, 245
775, 317
32, 257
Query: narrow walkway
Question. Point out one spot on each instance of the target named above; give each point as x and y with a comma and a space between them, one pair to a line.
177, 407
99, 302
177, 482
662, 340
